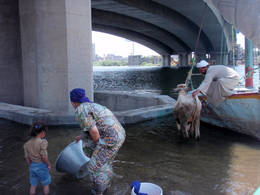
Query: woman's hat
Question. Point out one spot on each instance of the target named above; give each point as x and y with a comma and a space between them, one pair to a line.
78, 95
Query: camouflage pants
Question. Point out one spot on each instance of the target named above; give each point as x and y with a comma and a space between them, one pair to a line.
100, 165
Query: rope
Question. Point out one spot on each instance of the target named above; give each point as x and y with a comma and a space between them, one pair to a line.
233, 47
221, 48
188, 78
249, 73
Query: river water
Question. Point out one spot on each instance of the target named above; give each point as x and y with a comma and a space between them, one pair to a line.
222, 162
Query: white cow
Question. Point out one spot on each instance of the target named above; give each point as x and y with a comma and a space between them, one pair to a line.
187, 113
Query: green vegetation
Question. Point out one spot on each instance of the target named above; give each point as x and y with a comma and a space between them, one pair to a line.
148, 64
110, 63
139, 60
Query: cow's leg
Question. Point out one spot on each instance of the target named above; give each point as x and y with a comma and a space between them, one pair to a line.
178, 124
192, 129
197, 118
197, 127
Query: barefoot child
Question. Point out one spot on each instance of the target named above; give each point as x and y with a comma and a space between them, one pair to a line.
35, 152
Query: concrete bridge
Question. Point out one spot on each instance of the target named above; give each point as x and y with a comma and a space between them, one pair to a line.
46, 44
166, 26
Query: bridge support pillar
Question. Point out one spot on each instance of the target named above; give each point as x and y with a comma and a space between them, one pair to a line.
249, 68
183, 59
219, 58
56, 52
11, 77
166, 60
200, 56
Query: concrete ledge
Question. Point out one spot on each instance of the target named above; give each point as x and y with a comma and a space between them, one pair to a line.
143, 114
135, 106
26, 115
129, 108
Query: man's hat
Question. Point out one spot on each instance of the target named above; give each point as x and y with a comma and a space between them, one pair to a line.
202, 64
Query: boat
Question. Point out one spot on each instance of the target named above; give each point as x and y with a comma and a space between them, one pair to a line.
241, 111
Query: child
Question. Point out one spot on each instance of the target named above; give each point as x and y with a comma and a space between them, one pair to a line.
35, 152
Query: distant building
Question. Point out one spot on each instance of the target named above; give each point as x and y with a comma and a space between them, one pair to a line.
97, 58
113, 57
134, 60
157, 59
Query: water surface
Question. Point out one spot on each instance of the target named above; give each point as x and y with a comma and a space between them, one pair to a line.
222, 162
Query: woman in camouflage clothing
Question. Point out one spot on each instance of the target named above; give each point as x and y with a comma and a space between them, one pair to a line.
102, 135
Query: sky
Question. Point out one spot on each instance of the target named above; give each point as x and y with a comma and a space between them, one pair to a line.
241, 40
110, 44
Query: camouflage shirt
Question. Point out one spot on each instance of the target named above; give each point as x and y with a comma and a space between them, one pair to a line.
91, 114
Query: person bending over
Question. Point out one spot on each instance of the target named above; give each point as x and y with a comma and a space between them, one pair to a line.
102, 137
218, 83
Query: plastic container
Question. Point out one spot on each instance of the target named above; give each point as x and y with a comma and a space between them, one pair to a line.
149, 189
72, 160
257, 192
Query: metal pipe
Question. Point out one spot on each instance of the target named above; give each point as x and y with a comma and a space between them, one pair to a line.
249, 65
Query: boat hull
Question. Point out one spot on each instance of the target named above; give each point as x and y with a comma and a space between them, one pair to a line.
239, 112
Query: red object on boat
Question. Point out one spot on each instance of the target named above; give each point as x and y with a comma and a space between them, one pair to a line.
249, 77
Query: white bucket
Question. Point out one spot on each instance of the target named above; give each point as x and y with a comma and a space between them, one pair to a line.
149, 188
257, 192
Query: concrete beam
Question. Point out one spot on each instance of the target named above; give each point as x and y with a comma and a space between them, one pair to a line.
146, 29
225, 26
200, 56
183, 59
166, 60
219, 58
174, 18
153, 44
11, 77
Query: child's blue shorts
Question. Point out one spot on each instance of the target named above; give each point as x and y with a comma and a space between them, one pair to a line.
39, 171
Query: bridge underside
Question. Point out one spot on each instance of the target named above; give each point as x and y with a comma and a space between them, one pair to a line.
46, 45
166, 26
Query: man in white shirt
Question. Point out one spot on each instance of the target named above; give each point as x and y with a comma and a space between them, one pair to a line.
219, 82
